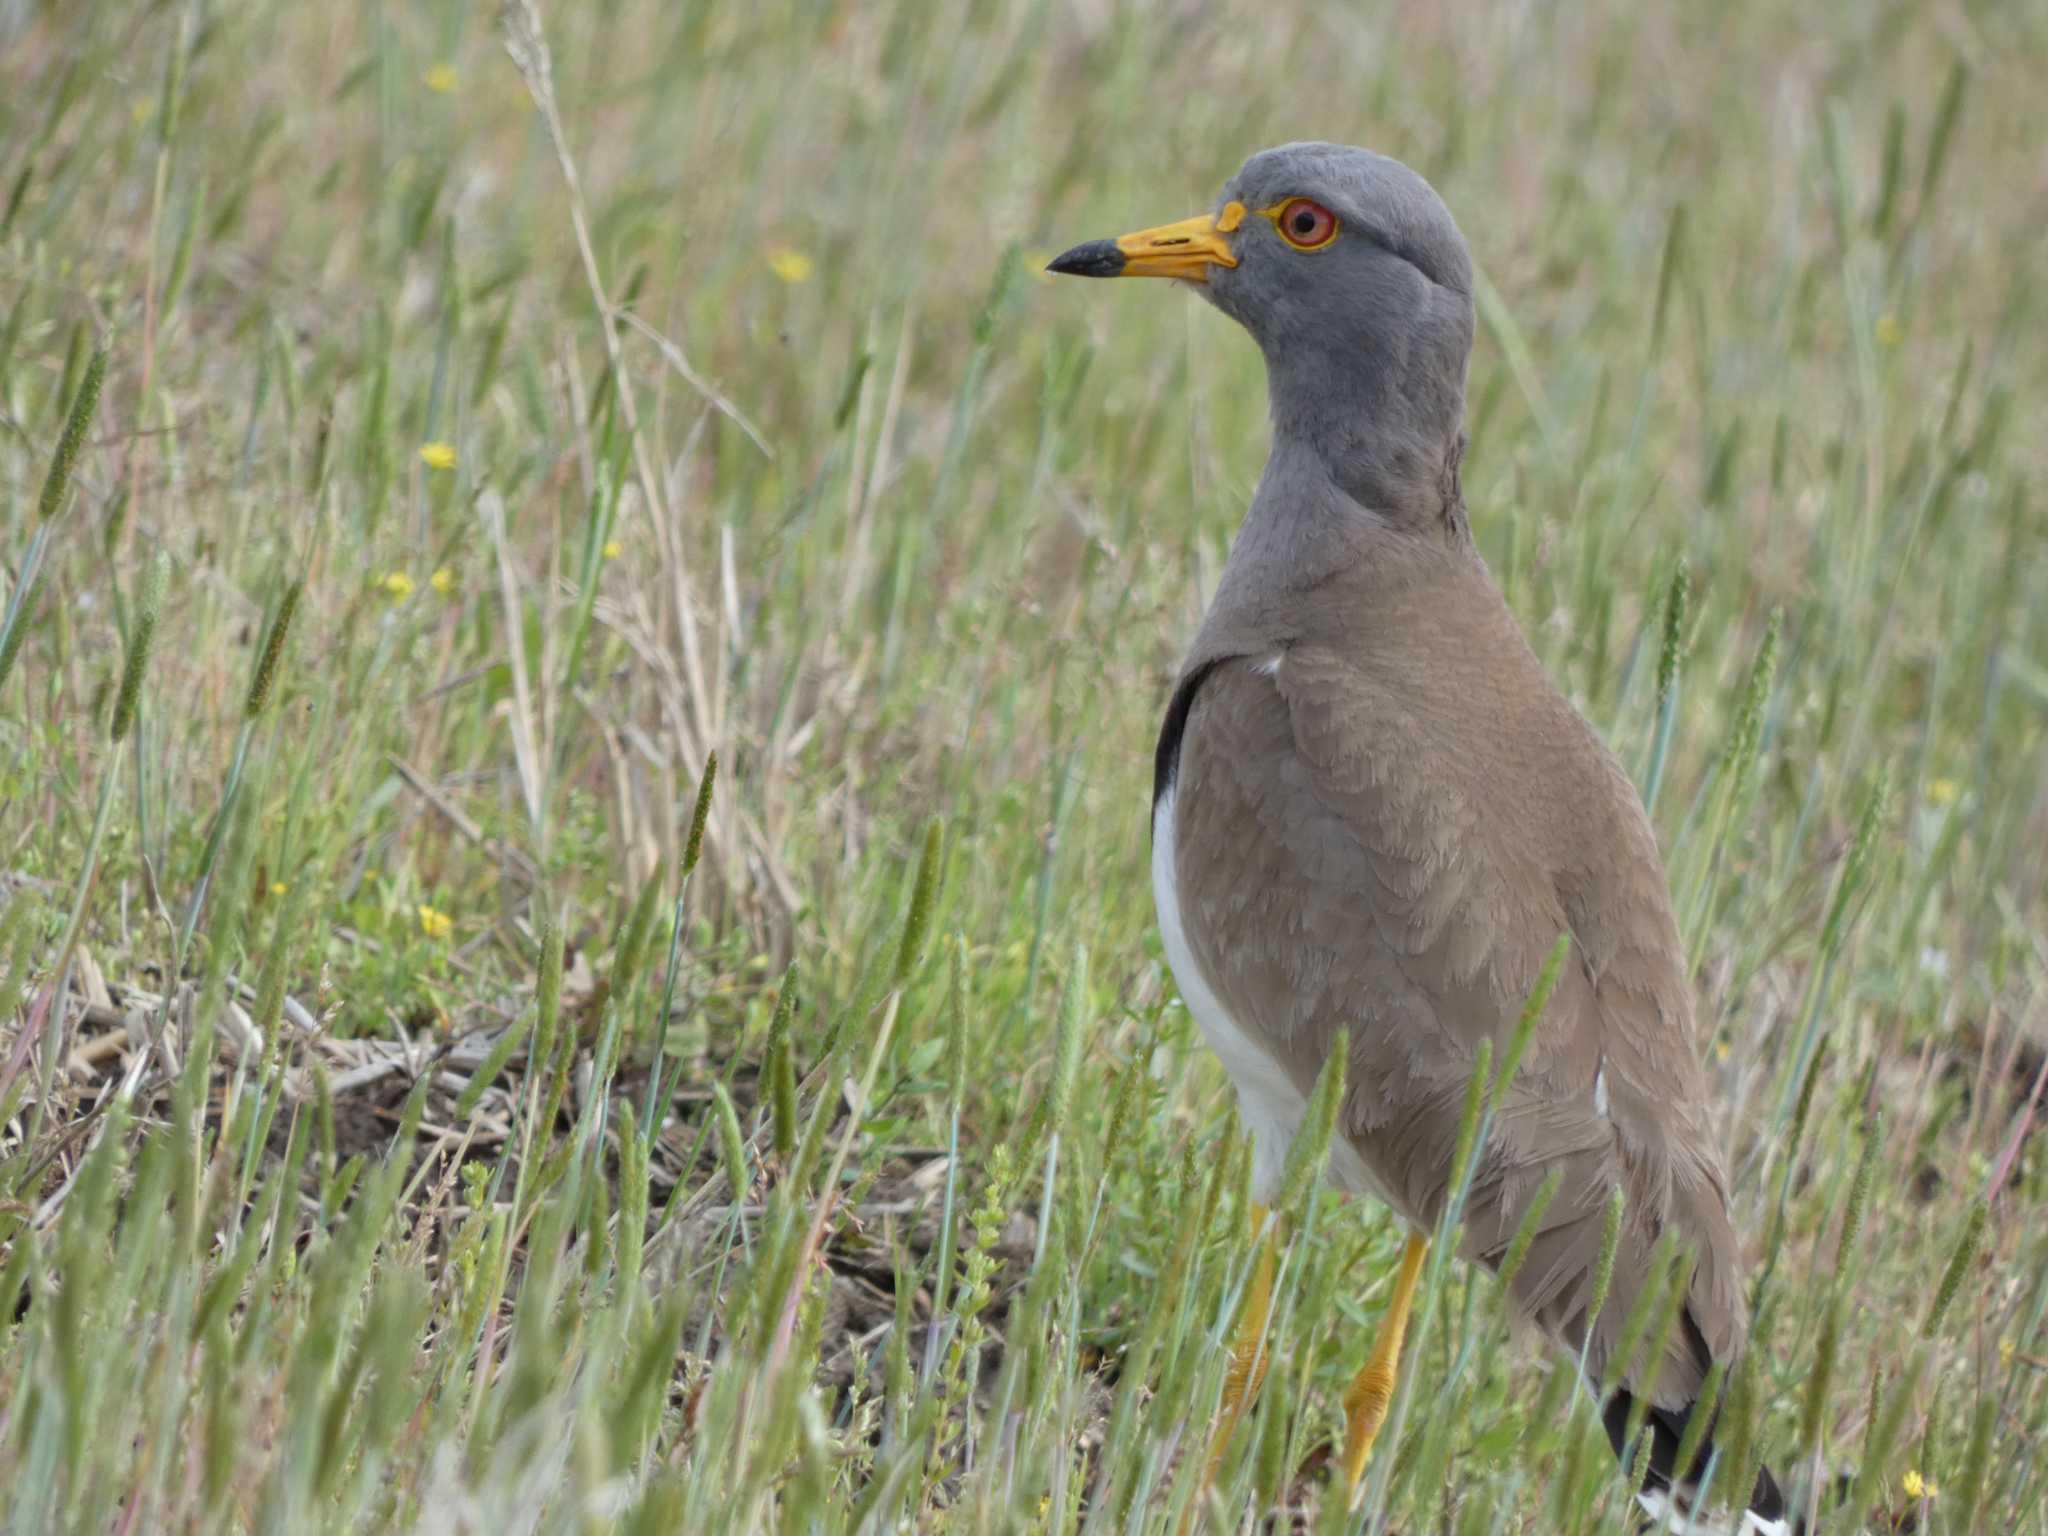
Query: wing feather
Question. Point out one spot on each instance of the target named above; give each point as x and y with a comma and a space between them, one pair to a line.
1345, 874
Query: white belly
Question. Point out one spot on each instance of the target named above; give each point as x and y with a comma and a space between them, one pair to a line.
1272, 1107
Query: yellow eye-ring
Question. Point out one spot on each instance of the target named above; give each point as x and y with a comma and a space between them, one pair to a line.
1303, 223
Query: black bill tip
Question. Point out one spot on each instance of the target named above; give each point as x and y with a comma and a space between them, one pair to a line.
1098, 258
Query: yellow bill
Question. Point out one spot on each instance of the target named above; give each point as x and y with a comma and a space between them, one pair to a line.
1186, 250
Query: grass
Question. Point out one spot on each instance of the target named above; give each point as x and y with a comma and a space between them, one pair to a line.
398, 1132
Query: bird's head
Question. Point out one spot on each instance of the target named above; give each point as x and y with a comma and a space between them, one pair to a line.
1351, 275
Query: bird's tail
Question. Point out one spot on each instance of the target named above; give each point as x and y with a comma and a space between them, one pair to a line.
1670, 1492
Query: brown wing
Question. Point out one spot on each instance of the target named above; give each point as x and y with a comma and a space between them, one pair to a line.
1343, 868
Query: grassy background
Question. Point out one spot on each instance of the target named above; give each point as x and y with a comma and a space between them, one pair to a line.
329, 1197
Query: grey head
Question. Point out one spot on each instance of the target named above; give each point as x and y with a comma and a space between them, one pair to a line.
1350, 274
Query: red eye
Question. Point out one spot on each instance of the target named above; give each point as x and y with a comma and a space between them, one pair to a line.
1306, 224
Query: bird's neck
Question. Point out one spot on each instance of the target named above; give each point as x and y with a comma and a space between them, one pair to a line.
1311, 554
1384, 437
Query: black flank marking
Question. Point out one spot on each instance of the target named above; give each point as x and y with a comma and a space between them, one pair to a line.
1166, 759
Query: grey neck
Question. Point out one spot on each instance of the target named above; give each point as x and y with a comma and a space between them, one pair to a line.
1386, 440
1308, 550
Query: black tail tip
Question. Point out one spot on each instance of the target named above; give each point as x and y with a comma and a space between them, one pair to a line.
1766, 1499
1666, 1480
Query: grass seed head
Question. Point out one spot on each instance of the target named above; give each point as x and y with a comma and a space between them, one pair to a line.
1958, 1266
1610, 1245
782, 1097
77, 422
1671, 655
1067, 1060
265, 677
1532, 1223
148, 608
1813, 1413
694, 848
923, 891
732, 1146
1312, 1145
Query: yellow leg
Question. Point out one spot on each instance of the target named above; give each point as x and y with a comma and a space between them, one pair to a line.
1249, 1354
1365, 1405
1248, 1351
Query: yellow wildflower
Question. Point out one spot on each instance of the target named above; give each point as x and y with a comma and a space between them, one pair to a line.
1888, 332
442, 581
613, 549
789, 265
435, 925
399, 585
1916, 1486
278, 887
1720, 1050
1941, 791
438, 455
2007, 1348
440, 78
